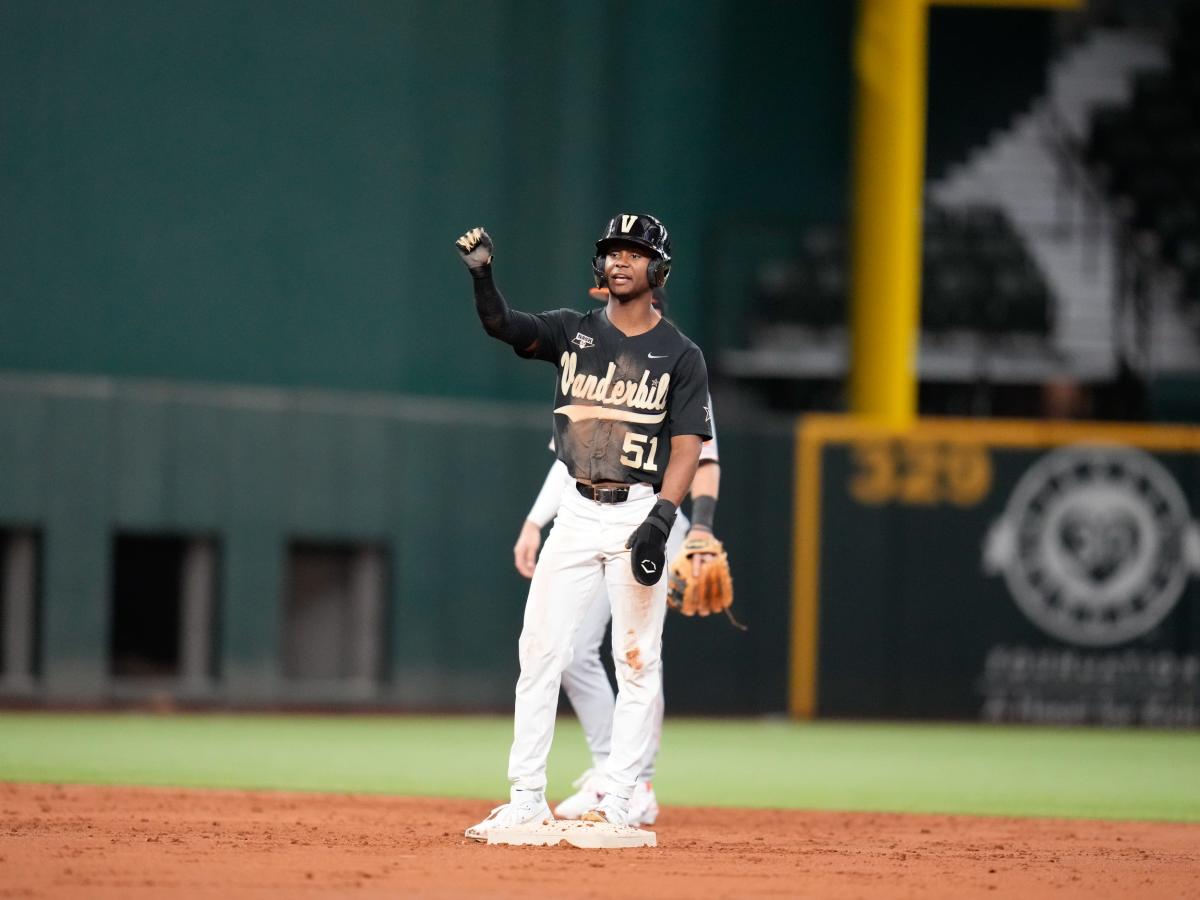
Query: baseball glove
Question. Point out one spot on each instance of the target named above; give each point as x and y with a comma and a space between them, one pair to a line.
709, 592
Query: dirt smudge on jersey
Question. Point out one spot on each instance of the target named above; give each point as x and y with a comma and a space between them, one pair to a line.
577, 449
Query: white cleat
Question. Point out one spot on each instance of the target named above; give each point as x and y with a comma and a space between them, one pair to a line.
525, 807
643, 805
611, 810
589, 792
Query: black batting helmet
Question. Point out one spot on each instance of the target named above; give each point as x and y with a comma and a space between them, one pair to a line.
643, 230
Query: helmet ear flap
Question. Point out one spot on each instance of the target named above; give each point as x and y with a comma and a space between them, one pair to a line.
658, 272
652, 272
598, 271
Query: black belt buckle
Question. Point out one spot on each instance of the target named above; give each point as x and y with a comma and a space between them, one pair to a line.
603, 494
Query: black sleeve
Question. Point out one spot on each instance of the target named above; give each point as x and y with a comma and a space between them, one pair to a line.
689, 413
551, 327
509, 325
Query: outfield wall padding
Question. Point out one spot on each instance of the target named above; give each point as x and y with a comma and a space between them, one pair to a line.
440, 486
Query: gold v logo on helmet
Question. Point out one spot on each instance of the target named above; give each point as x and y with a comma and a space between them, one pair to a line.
627, 223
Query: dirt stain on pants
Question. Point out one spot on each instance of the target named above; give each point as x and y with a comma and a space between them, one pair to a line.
633, 653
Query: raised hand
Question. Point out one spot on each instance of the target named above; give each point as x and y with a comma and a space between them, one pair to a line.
475, 247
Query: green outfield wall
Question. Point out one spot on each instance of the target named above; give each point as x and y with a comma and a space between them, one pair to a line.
439, 488
1031, 572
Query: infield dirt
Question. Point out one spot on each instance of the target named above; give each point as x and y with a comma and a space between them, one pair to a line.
105, 842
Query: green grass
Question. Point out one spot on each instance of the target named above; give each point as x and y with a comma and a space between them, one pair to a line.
972, 769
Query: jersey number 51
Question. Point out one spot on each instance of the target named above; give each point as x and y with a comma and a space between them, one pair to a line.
635, 447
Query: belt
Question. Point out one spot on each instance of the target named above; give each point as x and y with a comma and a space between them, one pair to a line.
603, 494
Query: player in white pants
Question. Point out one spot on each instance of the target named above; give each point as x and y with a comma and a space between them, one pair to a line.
630, 416
584, 680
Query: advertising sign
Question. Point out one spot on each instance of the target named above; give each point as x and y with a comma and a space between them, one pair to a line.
1001, 570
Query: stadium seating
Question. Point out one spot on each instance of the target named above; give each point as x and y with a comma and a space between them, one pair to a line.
977, 277
1147, 156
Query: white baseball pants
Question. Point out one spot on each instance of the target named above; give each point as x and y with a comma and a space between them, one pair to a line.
586, 549
586, 683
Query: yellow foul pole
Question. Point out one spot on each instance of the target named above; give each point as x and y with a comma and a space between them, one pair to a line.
889, 63
889, 169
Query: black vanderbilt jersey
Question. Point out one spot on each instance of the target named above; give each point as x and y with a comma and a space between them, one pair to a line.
619, 400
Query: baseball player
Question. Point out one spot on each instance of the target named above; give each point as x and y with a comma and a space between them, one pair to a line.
630, 414
584, 681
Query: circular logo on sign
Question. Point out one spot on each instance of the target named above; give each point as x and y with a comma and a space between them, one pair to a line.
1096, 544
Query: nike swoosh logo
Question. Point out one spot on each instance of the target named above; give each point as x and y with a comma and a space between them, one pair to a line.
652, 356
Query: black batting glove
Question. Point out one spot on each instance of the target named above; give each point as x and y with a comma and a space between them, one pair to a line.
475, 249
649, 543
